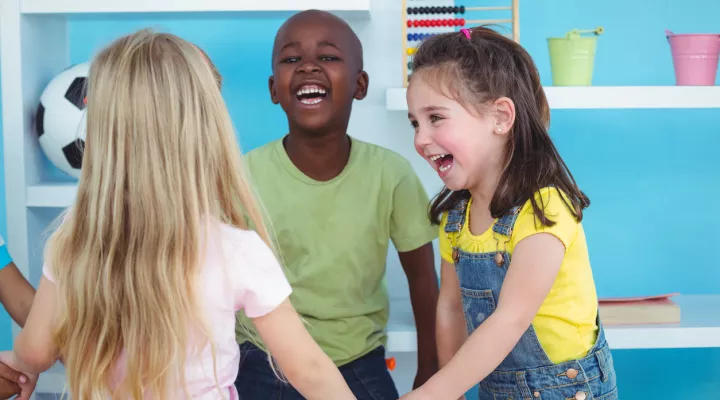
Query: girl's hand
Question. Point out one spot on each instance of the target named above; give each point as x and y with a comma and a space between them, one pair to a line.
26, 388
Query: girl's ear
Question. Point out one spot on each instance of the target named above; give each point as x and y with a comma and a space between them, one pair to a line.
504, 115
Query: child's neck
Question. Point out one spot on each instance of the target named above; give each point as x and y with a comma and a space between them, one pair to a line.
482, 194
321, 157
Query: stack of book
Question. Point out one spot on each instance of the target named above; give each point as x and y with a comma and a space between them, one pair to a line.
644, 310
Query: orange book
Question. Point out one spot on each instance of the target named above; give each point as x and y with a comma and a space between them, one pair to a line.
641, 310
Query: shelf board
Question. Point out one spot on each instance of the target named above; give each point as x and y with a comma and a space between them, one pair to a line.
55, 195
607, 97
699, 327
360, 8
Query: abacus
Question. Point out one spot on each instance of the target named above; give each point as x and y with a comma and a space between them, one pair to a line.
424, 18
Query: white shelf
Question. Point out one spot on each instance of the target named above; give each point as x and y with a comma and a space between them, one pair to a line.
606, 97
58, 195
700, 327
358, 7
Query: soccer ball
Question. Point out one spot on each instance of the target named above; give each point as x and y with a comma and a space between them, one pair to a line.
60, 119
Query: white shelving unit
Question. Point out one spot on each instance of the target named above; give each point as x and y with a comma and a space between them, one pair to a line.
353, 8
34, 45
606, 97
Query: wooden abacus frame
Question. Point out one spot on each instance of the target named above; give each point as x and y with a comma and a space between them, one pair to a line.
514, 7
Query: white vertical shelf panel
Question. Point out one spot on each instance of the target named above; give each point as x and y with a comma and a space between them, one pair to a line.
33, 50
360, 8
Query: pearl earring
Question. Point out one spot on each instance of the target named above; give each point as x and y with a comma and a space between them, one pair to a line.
499, 129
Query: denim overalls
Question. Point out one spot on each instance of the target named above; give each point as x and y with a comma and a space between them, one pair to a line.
526, 373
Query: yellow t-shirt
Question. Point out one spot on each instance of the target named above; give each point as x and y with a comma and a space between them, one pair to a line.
565, 323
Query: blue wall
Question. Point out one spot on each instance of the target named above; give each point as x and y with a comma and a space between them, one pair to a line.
650, 174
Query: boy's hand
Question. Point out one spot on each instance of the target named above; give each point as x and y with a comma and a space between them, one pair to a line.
9, 381
424, 373
24, 383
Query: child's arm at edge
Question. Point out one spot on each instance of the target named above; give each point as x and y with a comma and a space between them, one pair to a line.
34, 349
16, 293
532, 272
301, 360
450, 327
419, 267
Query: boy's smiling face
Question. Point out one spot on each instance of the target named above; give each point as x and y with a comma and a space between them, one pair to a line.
317, 71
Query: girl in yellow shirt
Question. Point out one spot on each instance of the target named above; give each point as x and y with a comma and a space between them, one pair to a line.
518, 309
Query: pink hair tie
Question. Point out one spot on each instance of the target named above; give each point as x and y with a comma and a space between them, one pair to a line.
466, 32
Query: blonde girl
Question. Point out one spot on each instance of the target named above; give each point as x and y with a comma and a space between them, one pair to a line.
144, 275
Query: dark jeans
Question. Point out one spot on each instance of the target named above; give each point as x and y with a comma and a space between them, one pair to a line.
367, 377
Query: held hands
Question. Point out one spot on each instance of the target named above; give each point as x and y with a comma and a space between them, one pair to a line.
9, 381
24, 383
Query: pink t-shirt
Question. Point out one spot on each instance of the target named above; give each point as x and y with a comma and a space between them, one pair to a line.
240, 272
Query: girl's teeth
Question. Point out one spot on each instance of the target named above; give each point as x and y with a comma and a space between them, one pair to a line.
444, 168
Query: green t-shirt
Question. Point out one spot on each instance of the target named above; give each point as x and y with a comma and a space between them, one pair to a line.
333, 240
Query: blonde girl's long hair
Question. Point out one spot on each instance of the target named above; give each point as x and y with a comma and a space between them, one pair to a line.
161, 157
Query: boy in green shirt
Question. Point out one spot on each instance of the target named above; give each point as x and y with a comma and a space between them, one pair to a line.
334, 203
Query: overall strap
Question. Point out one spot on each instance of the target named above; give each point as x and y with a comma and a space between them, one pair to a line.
453, 226
456, 217
505, 224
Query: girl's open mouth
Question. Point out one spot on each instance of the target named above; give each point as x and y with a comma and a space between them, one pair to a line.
443, 162
311, 94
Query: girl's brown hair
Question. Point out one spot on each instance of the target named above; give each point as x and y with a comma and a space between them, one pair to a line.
481, 69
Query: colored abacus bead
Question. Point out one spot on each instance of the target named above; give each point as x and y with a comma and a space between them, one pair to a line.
432, 23
436, 10
411, 51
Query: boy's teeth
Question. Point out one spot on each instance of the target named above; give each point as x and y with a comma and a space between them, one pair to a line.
437, 156
444, 168
307, 89
311, 101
